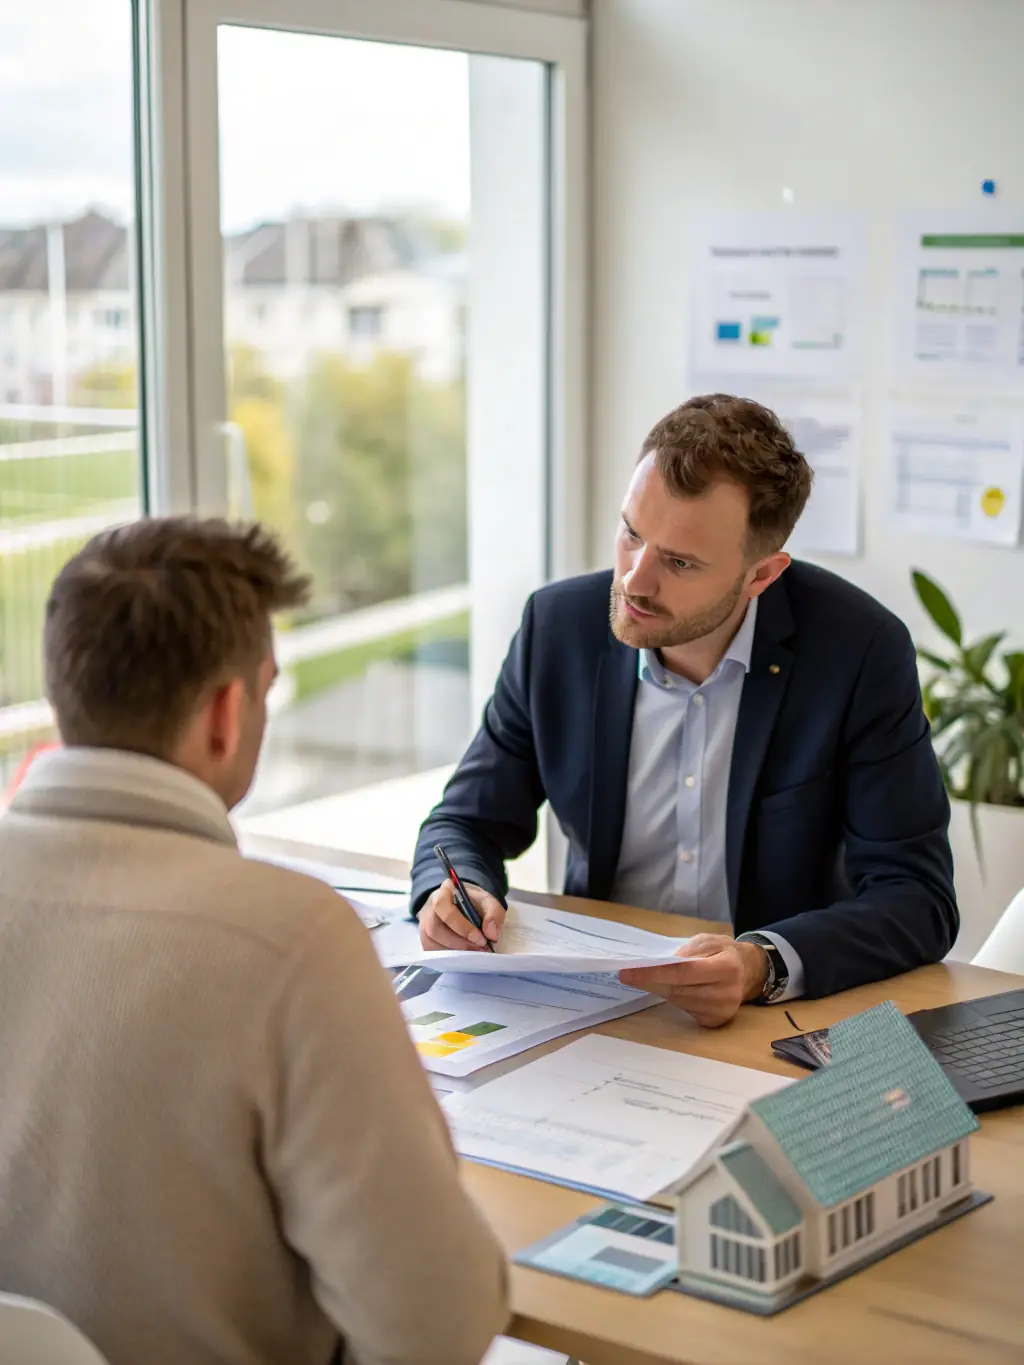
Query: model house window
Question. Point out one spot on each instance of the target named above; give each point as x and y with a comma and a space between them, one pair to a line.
957, 1169
787, 1256
930, 1186
726, 1213
366, 322
930, 1180
850, 1223
741, 1259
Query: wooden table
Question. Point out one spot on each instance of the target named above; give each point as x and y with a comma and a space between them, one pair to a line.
956, 1297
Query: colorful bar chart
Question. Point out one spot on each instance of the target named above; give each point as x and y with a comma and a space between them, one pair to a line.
452, 1040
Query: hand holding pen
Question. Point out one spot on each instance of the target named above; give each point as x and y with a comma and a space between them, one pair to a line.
459, 915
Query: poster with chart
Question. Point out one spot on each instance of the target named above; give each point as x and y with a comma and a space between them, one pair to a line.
777, 295
956, 472
960, 296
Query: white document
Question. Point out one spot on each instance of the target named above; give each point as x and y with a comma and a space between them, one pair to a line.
960, 295
600, 1114
777, 295
397, 940
956, 473
464, 1023
828, 433
826, 428
537, 940
379, 900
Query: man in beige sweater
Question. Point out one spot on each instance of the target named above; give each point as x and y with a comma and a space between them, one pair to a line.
217, 1145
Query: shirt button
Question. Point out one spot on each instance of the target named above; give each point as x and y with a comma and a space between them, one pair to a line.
698, 700
691, 781
685, 856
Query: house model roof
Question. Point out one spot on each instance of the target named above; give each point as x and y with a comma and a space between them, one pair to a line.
761, 1186
881, 1104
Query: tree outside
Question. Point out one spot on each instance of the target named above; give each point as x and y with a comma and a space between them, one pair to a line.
362, 470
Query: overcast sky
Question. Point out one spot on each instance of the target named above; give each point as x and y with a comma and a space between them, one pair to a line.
306, 122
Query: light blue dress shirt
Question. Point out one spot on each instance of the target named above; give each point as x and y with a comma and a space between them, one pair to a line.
673, 838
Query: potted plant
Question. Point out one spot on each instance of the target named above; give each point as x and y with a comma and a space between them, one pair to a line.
974, 700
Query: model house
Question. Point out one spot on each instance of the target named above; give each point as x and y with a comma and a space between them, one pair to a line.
830, 1172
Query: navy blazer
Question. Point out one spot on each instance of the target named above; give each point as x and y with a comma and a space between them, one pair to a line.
836, 833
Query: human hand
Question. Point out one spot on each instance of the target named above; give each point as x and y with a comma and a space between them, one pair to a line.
443, 925
713, 978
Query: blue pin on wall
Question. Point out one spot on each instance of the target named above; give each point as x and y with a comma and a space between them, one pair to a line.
988, 187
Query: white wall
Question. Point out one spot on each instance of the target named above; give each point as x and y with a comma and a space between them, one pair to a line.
874, 106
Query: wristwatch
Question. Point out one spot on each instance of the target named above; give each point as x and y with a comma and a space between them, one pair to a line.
777, 980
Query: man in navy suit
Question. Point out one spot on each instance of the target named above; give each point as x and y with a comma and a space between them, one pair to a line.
720, 732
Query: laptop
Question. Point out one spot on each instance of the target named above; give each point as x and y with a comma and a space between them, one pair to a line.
979, 1044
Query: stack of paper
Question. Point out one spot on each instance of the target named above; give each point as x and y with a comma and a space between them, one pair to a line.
465, 1023
614, 1118
552, 973
535, 940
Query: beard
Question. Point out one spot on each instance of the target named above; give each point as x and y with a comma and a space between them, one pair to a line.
664, 630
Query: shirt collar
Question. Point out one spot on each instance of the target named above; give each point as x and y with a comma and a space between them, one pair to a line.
741, 646
127, 788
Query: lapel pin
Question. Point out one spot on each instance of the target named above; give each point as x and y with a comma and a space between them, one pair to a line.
773, 668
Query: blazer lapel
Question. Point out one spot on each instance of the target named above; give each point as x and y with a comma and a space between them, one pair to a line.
763, 690
613, 730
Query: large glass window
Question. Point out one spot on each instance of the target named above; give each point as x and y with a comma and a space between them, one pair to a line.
352, 203
69, 446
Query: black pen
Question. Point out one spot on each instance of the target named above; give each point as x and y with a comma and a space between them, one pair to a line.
462, 900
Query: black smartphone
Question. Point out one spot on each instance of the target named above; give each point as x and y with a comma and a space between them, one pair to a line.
810, 1050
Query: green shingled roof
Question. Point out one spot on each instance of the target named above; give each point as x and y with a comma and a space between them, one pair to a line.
761, 1186
881, 1104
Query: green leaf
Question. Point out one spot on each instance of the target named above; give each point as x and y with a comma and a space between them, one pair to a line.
949, 713
977, 656
938, 606
936, 660
1014, 661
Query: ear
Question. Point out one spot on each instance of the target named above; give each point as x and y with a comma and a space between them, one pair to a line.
225, 718
767, 571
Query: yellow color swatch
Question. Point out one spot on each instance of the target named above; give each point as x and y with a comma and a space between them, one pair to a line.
435, 1049
993, 500
456, 1040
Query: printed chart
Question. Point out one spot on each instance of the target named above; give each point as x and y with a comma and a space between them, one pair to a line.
776, 295
956, 475
962, 297
465, 1022
453, 1039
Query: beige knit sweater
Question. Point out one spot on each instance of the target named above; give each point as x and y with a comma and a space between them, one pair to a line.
217, 1144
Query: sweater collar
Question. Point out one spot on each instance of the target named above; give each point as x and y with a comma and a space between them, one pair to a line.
125, 788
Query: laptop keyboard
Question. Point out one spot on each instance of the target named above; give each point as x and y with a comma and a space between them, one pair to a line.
990, 1052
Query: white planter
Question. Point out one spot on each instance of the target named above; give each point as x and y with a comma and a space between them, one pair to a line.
983, 899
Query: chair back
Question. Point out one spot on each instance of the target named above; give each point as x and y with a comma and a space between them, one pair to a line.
1003, 950
33, 1334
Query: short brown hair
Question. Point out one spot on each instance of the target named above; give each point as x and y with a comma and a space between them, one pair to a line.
148, 618
717, 436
